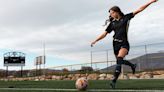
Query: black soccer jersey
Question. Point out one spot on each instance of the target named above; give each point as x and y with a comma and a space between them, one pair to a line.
120, 27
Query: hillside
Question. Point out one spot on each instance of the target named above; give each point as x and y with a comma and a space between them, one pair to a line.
153, 61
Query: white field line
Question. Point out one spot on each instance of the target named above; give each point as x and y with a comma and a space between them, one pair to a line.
92, 90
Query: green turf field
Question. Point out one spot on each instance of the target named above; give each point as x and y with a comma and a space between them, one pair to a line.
50, 86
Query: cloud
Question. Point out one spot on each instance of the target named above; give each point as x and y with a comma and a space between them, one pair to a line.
34, 13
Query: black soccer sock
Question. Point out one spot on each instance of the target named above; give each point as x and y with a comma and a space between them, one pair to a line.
117, 72
118, 69
119, 60
125, 62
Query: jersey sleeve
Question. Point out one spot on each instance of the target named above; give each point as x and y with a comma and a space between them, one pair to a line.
109, 28
129, 16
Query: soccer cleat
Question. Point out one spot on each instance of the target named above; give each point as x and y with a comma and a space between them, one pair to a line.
134, 68
112, 84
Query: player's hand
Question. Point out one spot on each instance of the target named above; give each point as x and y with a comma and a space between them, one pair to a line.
153, 1
93, 43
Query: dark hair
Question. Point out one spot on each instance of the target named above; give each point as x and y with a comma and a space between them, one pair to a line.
116, 9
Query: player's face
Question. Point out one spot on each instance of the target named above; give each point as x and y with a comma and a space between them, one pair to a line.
113, 14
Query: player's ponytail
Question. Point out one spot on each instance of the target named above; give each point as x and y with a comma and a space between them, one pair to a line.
108, 20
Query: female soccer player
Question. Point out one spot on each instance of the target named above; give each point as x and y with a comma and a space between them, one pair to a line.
119, 23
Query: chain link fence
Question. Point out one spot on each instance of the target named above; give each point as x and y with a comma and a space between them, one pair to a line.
147, 57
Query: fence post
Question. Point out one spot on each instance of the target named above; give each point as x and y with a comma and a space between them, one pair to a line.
107, 59
91, 58
139, 65
146, 53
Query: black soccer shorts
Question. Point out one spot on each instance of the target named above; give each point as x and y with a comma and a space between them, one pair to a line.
118, 45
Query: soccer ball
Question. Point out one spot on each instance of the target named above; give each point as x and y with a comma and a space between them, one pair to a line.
81, 84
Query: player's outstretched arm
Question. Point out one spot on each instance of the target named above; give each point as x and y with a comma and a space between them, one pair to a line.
144, 7
99, 38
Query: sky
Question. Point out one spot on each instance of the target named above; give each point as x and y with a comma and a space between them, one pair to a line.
67, 27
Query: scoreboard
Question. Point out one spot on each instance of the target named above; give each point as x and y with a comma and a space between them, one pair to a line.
14, 60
